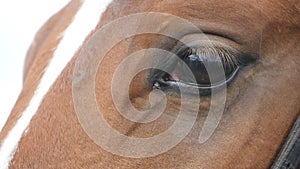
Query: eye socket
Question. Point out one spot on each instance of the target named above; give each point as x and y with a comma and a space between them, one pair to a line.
197, 59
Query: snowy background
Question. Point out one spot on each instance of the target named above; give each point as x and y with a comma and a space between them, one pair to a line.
19, 21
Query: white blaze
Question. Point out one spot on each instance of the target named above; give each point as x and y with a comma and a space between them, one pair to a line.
84, 22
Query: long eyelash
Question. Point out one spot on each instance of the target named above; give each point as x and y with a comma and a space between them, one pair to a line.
230, 58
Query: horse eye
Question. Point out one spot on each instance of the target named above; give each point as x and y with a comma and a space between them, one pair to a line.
224, 64
198, 60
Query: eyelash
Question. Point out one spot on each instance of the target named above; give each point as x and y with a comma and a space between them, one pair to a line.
227, 57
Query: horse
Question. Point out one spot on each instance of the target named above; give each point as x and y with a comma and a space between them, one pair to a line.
52, 124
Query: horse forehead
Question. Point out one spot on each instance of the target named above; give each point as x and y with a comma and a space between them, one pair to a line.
224, 9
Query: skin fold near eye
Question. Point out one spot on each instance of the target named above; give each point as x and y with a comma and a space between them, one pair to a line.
211, 66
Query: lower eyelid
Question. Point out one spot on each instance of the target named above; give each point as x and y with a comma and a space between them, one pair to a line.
186, 88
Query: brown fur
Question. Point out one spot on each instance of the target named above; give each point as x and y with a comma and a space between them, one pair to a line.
38, 57
262, 103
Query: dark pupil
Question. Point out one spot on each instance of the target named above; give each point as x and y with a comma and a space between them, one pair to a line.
197, 67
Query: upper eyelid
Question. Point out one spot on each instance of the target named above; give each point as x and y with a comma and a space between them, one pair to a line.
243, 58
218, 38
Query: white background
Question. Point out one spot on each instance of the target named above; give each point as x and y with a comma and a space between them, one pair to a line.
19, 21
